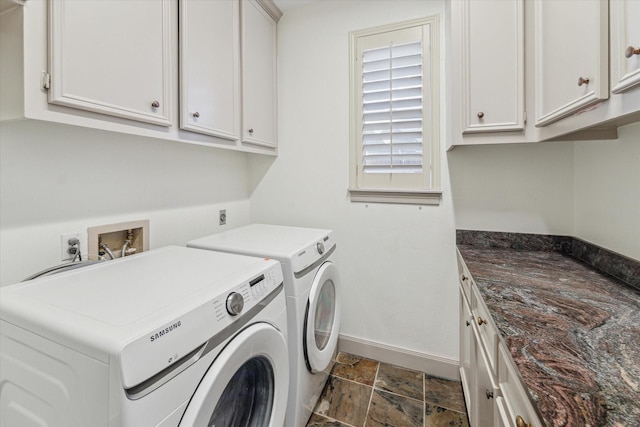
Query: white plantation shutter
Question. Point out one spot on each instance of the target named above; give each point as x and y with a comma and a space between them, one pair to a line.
392, 109
394, 105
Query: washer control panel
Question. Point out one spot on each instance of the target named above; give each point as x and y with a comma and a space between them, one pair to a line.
168, 343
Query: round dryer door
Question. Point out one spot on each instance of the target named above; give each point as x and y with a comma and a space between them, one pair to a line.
247, 385
322, 319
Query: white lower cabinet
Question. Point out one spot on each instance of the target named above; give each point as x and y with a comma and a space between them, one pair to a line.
486, 389
494, 393
501, 418
476, 372
466, 337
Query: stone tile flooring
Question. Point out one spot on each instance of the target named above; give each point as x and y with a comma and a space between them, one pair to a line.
363, 392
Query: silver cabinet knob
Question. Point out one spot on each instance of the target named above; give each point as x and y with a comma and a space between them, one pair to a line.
489, 394
583, 81
155, 104
235, 303
480, 115
196, 114
251, 131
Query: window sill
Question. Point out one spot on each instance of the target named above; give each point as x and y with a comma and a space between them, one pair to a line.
402, 197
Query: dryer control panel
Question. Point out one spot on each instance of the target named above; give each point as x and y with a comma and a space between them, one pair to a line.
313, 252
210, 321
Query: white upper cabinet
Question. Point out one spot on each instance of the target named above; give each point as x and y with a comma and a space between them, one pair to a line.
492, 57
625, 45
540, 70
210, 68
166, 69
571, 57
259, 91
112, 57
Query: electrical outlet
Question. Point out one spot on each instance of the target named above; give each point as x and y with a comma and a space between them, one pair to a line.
65, 246
223, 216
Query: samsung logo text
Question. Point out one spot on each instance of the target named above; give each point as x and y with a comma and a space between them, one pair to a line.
165, 331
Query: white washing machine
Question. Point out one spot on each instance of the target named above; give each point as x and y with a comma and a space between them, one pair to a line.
312, 287
170, 337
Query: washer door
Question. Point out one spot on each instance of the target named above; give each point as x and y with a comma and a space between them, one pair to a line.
247, 384
322, 319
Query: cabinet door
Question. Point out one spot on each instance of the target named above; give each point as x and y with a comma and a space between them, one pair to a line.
112, 57
492, 65
259, 124
486, 389
625, 44
210, 67
571, 60
466, 319
502, 418
516, 402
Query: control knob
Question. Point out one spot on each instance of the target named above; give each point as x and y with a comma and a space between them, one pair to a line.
320, 247
235, 303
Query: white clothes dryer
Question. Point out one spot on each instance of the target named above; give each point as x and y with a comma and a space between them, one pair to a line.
170, 337
312, 287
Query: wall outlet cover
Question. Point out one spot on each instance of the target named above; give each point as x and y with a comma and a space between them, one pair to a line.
65, 255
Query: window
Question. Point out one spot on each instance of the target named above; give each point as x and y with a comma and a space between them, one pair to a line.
394, 113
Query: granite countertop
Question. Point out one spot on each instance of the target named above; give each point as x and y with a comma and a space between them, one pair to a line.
573, 331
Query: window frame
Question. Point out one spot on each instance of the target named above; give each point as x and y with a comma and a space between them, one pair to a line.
428, 190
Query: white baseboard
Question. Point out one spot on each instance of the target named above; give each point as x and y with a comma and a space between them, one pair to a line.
437, 366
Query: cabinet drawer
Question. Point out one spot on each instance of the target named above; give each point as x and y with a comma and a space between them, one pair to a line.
516, 400
487, 330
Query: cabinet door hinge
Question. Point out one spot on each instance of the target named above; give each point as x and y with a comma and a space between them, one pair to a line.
45, 80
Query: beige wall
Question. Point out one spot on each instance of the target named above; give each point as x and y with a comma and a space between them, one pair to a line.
525, 188
57, 179
396, 262
586, 189
607, 192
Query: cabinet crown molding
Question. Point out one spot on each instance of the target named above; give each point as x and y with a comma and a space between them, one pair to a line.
270, 7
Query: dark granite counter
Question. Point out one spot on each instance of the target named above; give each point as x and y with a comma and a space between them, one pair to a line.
573, 331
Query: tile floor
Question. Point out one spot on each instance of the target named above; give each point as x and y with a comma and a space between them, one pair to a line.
363, 392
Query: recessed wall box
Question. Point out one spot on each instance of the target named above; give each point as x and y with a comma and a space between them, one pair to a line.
124, 238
